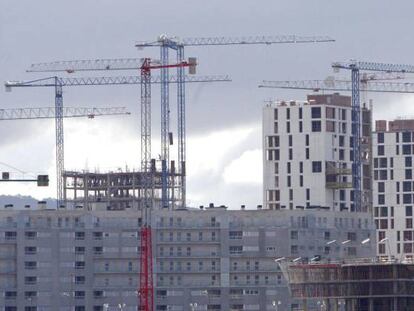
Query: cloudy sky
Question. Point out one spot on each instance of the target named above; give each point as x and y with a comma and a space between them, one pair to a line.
223, 120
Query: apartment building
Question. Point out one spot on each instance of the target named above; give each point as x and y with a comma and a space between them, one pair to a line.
393, 187
308, 152
219, 259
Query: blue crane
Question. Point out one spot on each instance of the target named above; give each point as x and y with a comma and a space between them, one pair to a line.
165, 43
59, 82
354, 85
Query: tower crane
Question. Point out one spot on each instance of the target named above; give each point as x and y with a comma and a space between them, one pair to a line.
339, 85
59, 82
146, 289
49, 113
68, 112
165, 43
355, 67
354, 86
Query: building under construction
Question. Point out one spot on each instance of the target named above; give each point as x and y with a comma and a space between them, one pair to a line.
119, 190
363, 285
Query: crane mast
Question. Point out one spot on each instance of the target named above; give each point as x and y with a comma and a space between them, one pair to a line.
59, 82
164, 43
355, 87
355, 67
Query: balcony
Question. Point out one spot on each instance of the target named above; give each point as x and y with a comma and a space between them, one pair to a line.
338, 185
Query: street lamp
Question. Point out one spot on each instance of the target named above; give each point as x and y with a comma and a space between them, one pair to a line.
193, 306
365, 241
322, 305
121, 306
297, 259
276, 304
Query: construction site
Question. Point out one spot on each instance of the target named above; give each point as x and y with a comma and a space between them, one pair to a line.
129, 241
354, 285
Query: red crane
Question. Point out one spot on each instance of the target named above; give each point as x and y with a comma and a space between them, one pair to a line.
146, 283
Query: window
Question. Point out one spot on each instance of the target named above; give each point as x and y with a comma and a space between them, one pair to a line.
408, 161
300, 112
381, 199
408, 174
381, 187
380, 150
79, 250
30, 294
10, 295
307, 139
316, 166
235, 235
380, 138
30, 265
10, 235
341, 141
287, 113
30, 235
307, 153
406, 186
79, 294
316, 112
30, 250
30, 280
79, 265
316, 126
79, 235
406, 137
234, 250
294, 235
408, 211
97, 235
406, 149
407, 198
79, 279
98, 250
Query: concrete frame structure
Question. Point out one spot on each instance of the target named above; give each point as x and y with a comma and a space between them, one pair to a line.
118, 190
354, 286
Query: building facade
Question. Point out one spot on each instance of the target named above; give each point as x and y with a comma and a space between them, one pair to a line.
76, 260
393, 187
308, 152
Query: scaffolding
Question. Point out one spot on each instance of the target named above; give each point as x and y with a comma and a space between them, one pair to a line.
358, 286
118, 190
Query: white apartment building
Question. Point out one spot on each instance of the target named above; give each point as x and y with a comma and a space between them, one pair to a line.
393, 187
307, 154
219, 259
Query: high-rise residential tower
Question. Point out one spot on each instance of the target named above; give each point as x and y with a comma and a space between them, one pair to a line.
308, 152
393, 187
